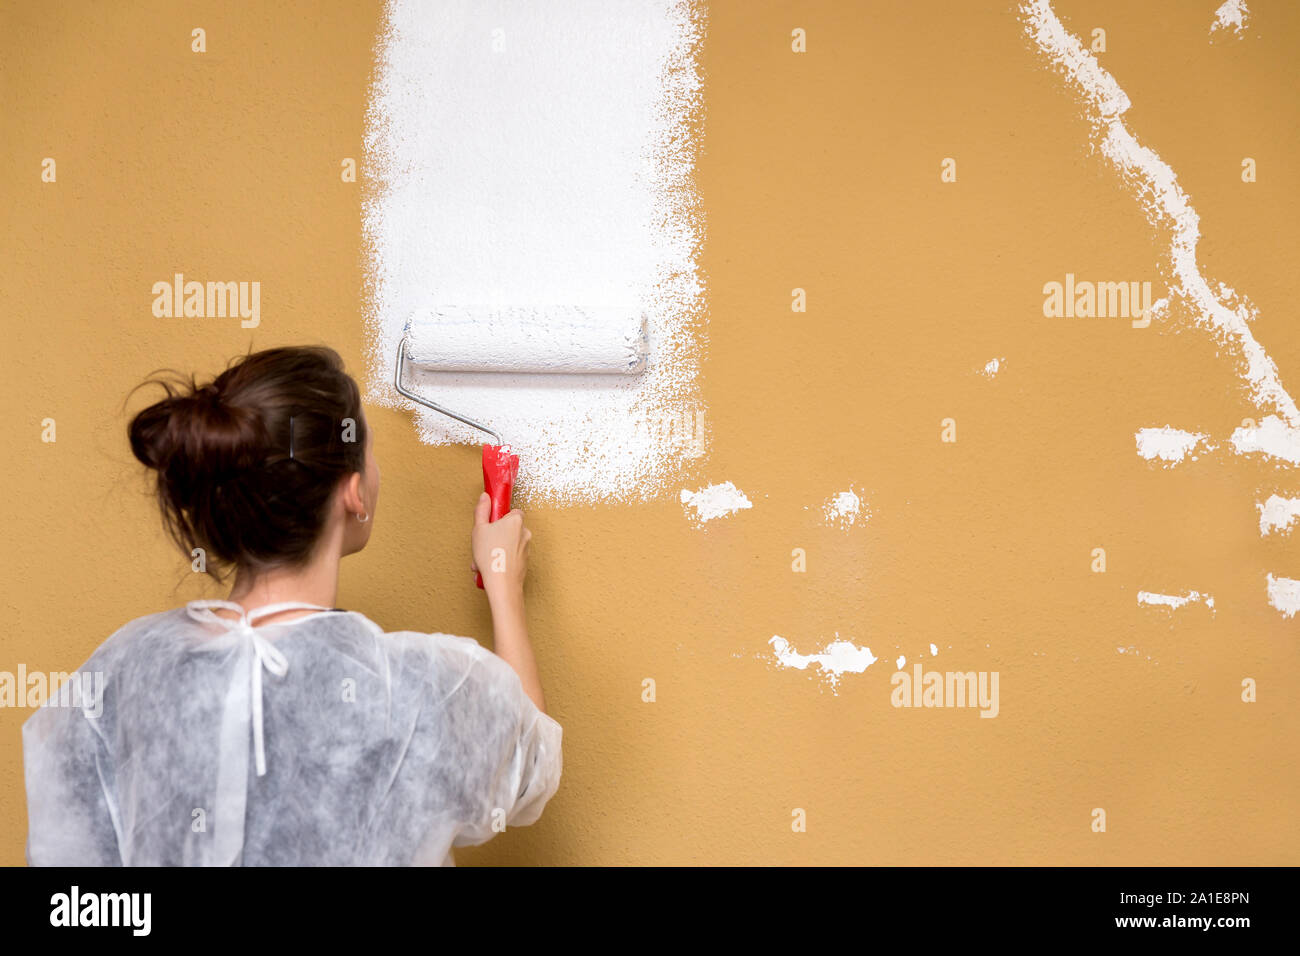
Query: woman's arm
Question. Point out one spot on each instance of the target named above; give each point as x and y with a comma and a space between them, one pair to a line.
500, 551
510, 640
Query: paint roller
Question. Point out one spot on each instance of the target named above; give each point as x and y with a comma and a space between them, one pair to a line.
565, 340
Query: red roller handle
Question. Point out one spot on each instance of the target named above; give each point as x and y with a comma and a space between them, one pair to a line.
500, 468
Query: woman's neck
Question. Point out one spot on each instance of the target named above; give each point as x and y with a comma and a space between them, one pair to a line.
314, 583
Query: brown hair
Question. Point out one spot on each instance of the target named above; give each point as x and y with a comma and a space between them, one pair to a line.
247, 464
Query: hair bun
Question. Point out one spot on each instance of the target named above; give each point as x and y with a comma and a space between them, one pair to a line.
217, 450
152, 435
206, 407
192, 431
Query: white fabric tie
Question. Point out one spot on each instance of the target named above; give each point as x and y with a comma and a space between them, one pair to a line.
243, 713
268, 655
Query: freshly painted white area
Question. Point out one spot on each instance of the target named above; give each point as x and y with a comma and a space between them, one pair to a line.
1219, 311
715, 501
558, 339
1277, 514
528, 154
844, 509
1167, 444
1284, 594
1232, 14
838, 658
1174, 601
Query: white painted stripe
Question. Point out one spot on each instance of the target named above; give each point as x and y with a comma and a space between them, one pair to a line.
527, 154
1153, 183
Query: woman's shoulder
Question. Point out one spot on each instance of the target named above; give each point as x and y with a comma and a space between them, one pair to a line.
432, 642
138, 630
436, 651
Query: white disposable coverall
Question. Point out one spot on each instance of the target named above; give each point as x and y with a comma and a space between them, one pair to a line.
355, 747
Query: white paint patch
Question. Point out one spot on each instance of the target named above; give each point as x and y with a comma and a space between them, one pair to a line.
1167, 444
524, 155
1272, 437
1153, 183
1284, 594
1231, 14
838, 658
715, 501
900, 662
1278, 514
1174, 601
844, 509
934, 651
993, 367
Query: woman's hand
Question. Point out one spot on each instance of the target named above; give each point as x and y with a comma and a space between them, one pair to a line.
499, 550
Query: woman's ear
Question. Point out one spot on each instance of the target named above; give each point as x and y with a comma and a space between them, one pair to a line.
352, 498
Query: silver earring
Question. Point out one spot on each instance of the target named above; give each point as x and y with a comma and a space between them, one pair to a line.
363, 518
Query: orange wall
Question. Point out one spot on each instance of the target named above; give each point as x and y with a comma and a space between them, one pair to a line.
818, 171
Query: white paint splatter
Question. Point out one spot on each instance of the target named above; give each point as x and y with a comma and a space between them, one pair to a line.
838, 658
1174, 601
1278, 514
844, 508
1284, 594
900, 662
1232, 14
1272, 437
1159, 310
992, 368
1167, 444
715, 501
934, 651
526, 154
1153, 182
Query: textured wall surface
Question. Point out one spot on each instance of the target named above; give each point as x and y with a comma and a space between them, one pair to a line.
819, 171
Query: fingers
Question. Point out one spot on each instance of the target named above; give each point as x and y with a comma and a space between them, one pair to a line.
483, 509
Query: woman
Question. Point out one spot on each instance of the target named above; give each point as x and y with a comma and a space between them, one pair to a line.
273, 728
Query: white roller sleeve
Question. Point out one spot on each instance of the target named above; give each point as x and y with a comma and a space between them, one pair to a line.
564, 339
